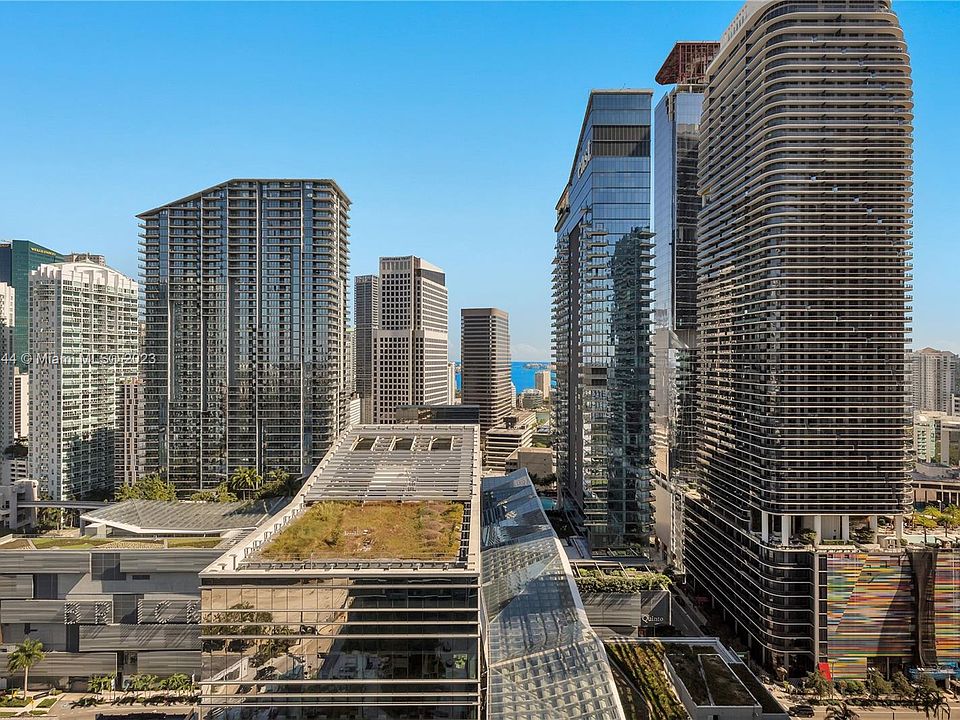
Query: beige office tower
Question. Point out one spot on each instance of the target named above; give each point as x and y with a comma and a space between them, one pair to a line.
485, 363
129, 445
21, 403
410, 343
541, 382
83, 343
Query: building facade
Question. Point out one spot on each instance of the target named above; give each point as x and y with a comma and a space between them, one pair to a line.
675, 206
485, 363
245, 304
130, 441
83, 342
935, 375
410, 344
515, 431
307, 627
805, 167
541, 382
601, 322
366, 316
8, 370
19, 258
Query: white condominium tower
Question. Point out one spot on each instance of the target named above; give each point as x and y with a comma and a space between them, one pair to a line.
410, 344
245, 303
485, 364
83, 343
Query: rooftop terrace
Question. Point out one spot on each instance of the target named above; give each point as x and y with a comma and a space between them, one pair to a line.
419, 530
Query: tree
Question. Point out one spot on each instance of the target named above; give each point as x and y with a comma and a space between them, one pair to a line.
902, 687
279, 484
245, 481
819, 685
841, 711
25, 656
930, 700
221, 493
877, 685
100, 684
152, 486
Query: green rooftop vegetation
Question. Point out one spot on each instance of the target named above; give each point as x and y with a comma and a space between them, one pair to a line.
428, 530
725, 687
193, 542
101, 543
642, 664
756, 688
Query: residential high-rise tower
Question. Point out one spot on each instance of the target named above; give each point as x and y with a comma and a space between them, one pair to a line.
601, 322
935, 376
83, 342
803, 258
245, 304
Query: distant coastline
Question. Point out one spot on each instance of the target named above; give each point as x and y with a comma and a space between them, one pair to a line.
521, 373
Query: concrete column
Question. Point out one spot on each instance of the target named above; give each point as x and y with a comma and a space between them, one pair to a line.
845, 527
818, 527
786, 523
872, 522
898, 525
765, 526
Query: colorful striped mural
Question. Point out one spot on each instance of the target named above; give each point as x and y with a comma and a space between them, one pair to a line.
870, 612
946, 593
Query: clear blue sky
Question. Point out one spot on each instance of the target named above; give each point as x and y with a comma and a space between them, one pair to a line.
451, 126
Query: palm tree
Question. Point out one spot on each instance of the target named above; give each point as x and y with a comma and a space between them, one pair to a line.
245, 481
27, 654
841, 711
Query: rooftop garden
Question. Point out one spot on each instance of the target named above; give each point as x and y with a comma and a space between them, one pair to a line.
725, 687
428, 530
50, 542
756, 688
625, 580
642, 665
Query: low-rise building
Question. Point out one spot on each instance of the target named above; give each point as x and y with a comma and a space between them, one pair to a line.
455, 414
361, 598
538, 461
123, 597
531, 399
516, 431
936, 485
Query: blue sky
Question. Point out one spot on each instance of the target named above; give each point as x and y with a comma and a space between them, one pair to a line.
451, 126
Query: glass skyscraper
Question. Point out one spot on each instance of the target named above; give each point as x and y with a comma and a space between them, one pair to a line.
19, 258
676, 203
245, 304
601, 322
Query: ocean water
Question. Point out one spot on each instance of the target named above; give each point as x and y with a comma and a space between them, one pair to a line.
521, 376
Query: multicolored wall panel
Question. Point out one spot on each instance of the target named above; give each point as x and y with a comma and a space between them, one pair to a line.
946, 598
871, 613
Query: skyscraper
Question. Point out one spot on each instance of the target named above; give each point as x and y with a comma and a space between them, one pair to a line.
366, 316
130, 439
601, 322
541, 382
675, 206
935, 376
19, 258
8, 387
803, 257
410, 343
245, 303
485, 363
83, 341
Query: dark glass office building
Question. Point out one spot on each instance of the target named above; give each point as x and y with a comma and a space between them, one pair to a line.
602, 322
675, 205
245, 305
18, 258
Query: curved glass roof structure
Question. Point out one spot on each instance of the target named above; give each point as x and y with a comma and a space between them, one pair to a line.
544, 660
